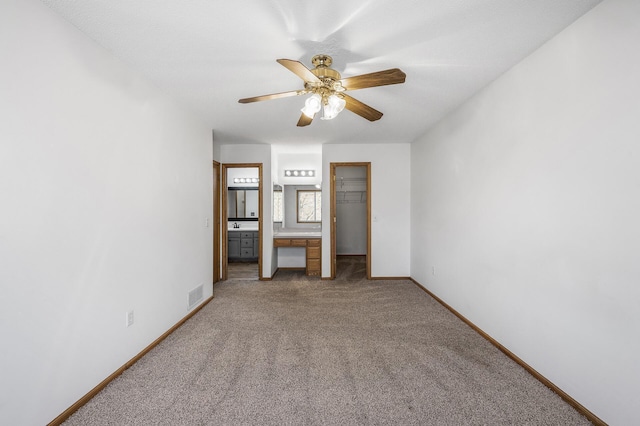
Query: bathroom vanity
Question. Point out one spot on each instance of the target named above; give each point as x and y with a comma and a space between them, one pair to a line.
243, 246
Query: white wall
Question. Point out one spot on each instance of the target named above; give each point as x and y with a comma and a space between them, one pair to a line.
242, 172
390, 204
296, 157
215, 147
105, 186
257, 153
526, 201
298, 161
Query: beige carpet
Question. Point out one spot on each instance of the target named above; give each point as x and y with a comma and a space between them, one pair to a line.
301, 351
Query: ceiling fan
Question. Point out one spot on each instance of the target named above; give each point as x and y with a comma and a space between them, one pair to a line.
328, 89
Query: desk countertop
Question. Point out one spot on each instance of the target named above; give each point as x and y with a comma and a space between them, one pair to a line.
297, 233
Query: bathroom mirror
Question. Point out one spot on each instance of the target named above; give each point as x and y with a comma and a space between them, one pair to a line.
278, 204
242, 203
292, 209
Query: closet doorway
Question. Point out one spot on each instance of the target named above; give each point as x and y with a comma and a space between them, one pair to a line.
350, 215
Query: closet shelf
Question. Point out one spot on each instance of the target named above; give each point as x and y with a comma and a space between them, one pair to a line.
346, 197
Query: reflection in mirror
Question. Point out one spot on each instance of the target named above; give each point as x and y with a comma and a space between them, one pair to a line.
278, 204
309, 206
308, 214
242, 203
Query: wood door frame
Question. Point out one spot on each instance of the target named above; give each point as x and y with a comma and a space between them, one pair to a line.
333, 219
224, 235
216, 222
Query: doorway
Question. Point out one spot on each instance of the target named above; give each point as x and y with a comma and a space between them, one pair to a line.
216, 222
350, 216
241, 236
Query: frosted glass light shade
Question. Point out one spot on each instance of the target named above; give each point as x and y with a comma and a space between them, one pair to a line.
312, 105
333, 107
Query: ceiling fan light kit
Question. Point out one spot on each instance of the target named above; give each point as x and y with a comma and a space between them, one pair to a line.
327, 88
312, 105
333, 106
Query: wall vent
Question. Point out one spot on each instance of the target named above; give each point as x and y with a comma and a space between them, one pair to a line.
195, 296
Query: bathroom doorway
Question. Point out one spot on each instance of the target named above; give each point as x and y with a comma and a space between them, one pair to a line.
350, 220
241, 236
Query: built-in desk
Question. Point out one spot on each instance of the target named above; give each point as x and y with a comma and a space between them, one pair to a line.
313, 248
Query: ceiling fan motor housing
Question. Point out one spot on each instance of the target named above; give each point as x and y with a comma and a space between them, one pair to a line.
322, 70
328, 76
322, 60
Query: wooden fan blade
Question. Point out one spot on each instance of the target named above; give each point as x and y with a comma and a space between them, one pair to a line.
380, 78
361, 109
304, 120
273, 96
299, 69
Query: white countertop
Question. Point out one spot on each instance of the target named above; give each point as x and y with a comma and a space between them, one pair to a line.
280, 233
298, 233
244, 226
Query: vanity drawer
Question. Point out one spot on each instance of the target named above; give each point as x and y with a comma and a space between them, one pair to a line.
299, 243
246, 252
280, 242
247, 234
246, 242
313, 252
313, 266
314, 242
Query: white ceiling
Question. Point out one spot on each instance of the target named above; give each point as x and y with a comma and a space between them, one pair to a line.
210, 53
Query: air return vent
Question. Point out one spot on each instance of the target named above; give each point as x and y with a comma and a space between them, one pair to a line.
195, 296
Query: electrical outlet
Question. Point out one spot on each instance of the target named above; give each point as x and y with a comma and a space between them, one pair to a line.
433, 270
129, 318
206, 222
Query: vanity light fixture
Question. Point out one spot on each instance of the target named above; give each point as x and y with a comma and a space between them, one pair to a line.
299, 173
246, 180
